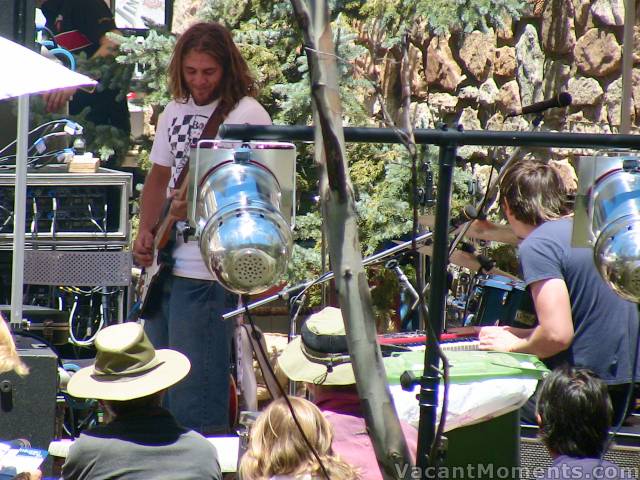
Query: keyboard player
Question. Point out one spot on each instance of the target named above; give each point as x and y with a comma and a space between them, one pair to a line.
581, 321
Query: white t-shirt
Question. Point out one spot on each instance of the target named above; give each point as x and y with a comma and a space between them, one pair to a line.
178, 125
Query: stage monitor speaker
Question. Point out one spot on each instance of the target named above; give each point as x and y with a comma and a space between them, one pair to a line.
625, 452
28, 404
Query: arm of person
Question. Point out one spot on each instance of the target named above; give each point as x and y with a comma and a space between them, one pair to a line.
152, 199
495, 232
56, 99
554, 332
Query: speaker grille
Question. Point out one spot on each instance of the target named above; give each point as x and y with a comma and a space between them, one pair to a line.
534, 455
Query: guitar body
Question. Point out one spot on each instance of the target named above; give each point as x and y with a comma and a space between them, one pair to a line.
150, 285
151, 281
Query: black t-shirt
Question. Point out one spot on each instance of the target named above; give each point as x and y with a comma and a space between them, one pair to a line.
605, 325
93, 19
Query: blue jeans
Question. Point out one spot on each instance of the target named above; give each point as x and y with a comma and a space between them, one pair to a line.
190, 321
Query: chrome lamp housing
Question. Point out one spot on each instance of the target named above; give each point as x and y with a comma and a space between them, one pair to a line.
607, 218
241, 205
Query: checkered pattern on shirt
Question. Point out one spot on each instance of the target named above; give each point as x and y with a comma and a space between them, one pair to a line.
182, 130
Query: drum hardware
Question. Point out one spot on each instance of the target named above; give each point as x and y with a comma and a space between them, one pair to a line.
494, 300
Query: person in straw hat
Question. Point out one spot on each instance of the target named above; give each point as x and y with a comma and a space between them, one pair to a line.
141, 439
319, 356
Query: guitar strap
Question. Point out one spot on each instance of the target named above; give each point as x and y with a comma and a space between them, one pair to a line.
210, 130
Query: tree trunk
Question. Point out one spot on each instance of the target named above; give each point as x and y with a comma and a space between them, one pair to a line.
339, 220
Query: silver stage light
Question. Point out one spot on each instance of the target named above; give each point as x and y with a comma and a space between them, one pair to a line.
241, 199
607, 218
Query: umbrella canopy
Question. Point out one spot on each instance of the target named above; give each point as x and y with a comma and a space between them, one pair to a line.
28, 72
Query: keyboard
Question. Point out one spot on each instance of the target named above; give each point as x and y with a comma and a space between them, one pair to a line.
449, 342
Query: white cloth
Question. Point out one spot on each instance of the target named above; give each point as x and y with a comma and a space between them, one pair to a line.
178, 125
469, 402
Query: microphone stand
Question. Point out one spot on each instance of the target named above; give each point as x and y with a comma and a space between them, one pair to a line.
284, 294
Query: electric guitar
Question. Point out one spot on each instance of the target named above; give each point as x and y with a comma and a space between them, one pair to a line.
150, 284
149, 289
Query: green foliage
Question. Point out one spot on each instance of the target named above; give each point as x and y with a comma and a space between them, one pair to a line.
439, 16
150, 57
109, 73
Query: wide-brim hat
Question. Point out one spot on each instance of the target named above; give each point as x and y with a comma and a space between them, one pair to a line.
319, 354
127, 366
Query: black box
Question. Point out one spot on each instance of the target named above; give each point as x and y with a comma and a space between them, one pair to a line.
28, 404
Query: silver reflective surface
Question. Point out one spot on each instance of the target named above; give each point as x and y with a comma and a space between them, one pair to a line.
617, 256
244, 239
614, 211
614, 196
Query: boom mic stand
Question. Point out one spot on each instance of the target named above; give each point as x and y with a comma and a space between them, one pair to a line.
286, 293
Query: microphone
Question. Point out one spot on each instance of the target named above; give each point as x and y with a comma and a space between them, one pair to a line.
563, 99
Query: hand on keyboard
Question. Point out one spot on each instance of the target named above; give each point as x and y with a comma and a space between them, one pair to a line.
500, 339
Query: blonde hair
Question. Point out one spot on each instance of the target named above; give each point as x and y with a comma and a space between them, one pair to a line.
9, 359
276, 446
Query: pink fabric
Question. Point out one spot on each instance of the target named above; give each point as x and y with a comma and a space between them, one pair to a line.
351, 440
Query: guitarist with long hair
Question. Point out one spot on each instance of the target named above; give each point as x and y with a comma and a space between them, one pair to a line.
210, 84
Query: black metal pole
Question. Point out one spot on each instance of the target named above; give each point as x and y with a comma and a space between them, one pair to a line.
430, 380
437, 137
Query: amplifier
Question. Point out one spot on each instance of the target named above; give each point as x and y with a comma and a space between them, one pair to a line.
28, 404
625, 451
65, 207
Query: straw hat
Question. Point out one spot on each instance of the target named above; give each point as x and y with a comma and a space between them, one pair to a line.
127, 366
319, 354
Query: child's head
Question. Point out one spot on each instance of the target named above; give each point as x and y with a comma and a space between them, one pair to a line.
574, 413
276, 446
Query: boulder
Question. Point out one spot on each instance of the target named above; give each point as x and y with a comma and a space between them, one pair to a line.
556, 77
443, 102
597, 53
609, 12
509, 97
469, 93
582, 15
557, 29
530, 66
612, 100
584, 91
488, 93
477, 53
422, 115
442, 70
504, 64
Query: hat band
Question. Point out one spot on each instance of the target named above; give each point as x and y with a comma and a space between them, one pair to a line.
127, 375
324, 358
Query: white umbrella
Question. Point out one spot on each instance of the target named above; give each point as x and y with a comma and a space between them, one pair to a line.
27, 73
